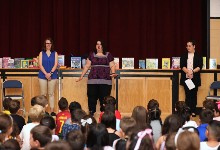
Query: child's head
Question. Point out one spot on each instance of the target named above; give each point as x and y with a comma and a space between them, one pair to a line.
76, 139
40, 136
6, 103
188, 141
192, 129
14, 106
121, 144
15, 130
184, 115
216, 109
126, 122
208, 104
134, 129
154, 114
141, 140
109, 107
36, 113
63, 104
170, 142
213, 130
41, 100
109, 100
86, 124
48, 122
11, 144
77, 115
205, 116
33, 101
97, 132
109, 120
171, 124
179, 105
152, 104
5, 127
58, 145
140, 115
74, 105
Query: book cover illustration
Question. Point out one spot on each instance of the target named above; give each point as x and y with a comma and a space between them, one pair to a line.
76, 62
31, 63
212, 63
5, 61
165, 63
152, 63
175, 63
0, 62
61, 59
17, 62
35, 63
141, 64
11, 63
116, 61
127, 63
204, 63
24, 63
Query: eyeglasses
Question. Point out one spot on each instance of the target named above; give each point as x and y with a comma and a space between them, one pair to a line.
48, 43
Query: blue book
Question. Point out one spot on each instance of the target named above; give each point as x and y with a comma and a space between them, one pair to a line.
17, 62
76, 62
141, 64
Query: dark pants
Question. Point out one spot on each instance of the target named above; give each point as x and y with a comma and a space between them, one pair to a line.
95, 92
191, 98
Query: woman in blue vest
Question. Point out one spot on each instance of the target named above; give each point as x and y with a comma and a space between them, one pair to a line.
48, 61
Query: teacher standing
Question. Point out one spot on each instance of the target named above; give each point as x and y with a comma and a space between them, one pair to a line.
99, 82
191, 63
48, 61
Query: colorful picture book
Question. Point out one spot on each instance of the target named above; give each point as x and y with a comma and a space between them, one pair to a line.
76, 62
165, 63
35, 63
0, 62
127, 63
31, 63
152, 63
204, 63
61, 60
212, 63
17, 62
116, 61
5, 61
141, 64
175, 63
24, 63
11, 63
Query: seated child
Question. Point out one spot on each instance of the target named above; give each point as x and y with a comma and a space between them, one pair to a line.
73, 105
36, 113
209, 104
50, 123
14, 107
121, 144
58, 145
216, 112
76, 139
5, 127
42, 101
111, 108
152, 104
179, 106
206, 115
140, 115
40, 136
75, 121
111, 101
86, 123
213, 134
170, 142
6, 105
63, 115
11, 144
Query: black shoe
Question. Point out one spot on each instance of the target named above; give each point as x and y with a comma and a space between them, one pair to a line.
53, 114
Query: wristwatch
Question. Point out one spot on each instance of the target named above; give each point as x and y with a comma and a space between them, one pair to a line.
51, 72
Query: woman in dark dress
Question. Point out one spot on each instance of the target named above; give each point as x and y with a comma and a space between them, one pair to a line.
99, 82
191, 63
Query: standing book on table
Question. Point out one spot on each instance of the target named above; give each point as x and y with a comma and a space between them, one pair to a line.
5, 61
11, 63
141, 64
127, 63
116, 61
152, 63
0, 62
175, 63
61, 59
17, 62
24, 63
212, 63
76, 62
35, 63
204, 63
165, 63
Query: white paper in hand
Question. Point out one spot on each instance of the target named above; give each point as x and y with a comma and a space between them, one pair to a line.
190, 84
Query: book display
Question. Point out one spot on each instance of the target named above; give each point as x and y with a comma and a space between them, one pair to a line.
127, 63
175, 63
204, 63
76, 62
11, 63
151, 63
141, 64
24, 63
165, 63
61, 59
116, 61
212, 63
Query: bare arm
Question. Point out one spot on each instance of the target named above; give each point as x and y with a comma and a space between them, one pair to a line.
86, 68
56, 63
40, 64
112, 67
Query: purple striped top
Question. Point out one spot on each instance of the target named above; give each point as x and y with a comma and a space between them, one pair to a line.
100, 70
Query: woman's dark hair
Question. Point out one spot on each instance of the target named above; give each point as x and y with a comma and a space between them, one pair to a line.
11, 144
86, 127
140, 115
103, 46
193, 42
152, 104
121, 144
171, 124
48, 122
184, 114
52, 46
109, 119
98, 137
154, 114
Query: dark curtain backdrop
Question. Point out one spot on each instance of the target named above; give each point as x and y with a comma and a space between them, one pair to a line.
130, 28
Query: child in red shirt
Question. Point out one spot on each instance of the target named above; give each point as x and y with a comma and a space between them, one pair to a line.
63, 115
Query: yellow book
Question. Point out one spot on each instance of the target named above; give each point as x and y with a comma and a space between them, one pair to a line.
24, 63
165, 63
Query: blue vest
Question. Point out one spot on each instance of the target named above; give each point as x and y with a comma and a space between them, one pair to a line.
48, 63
